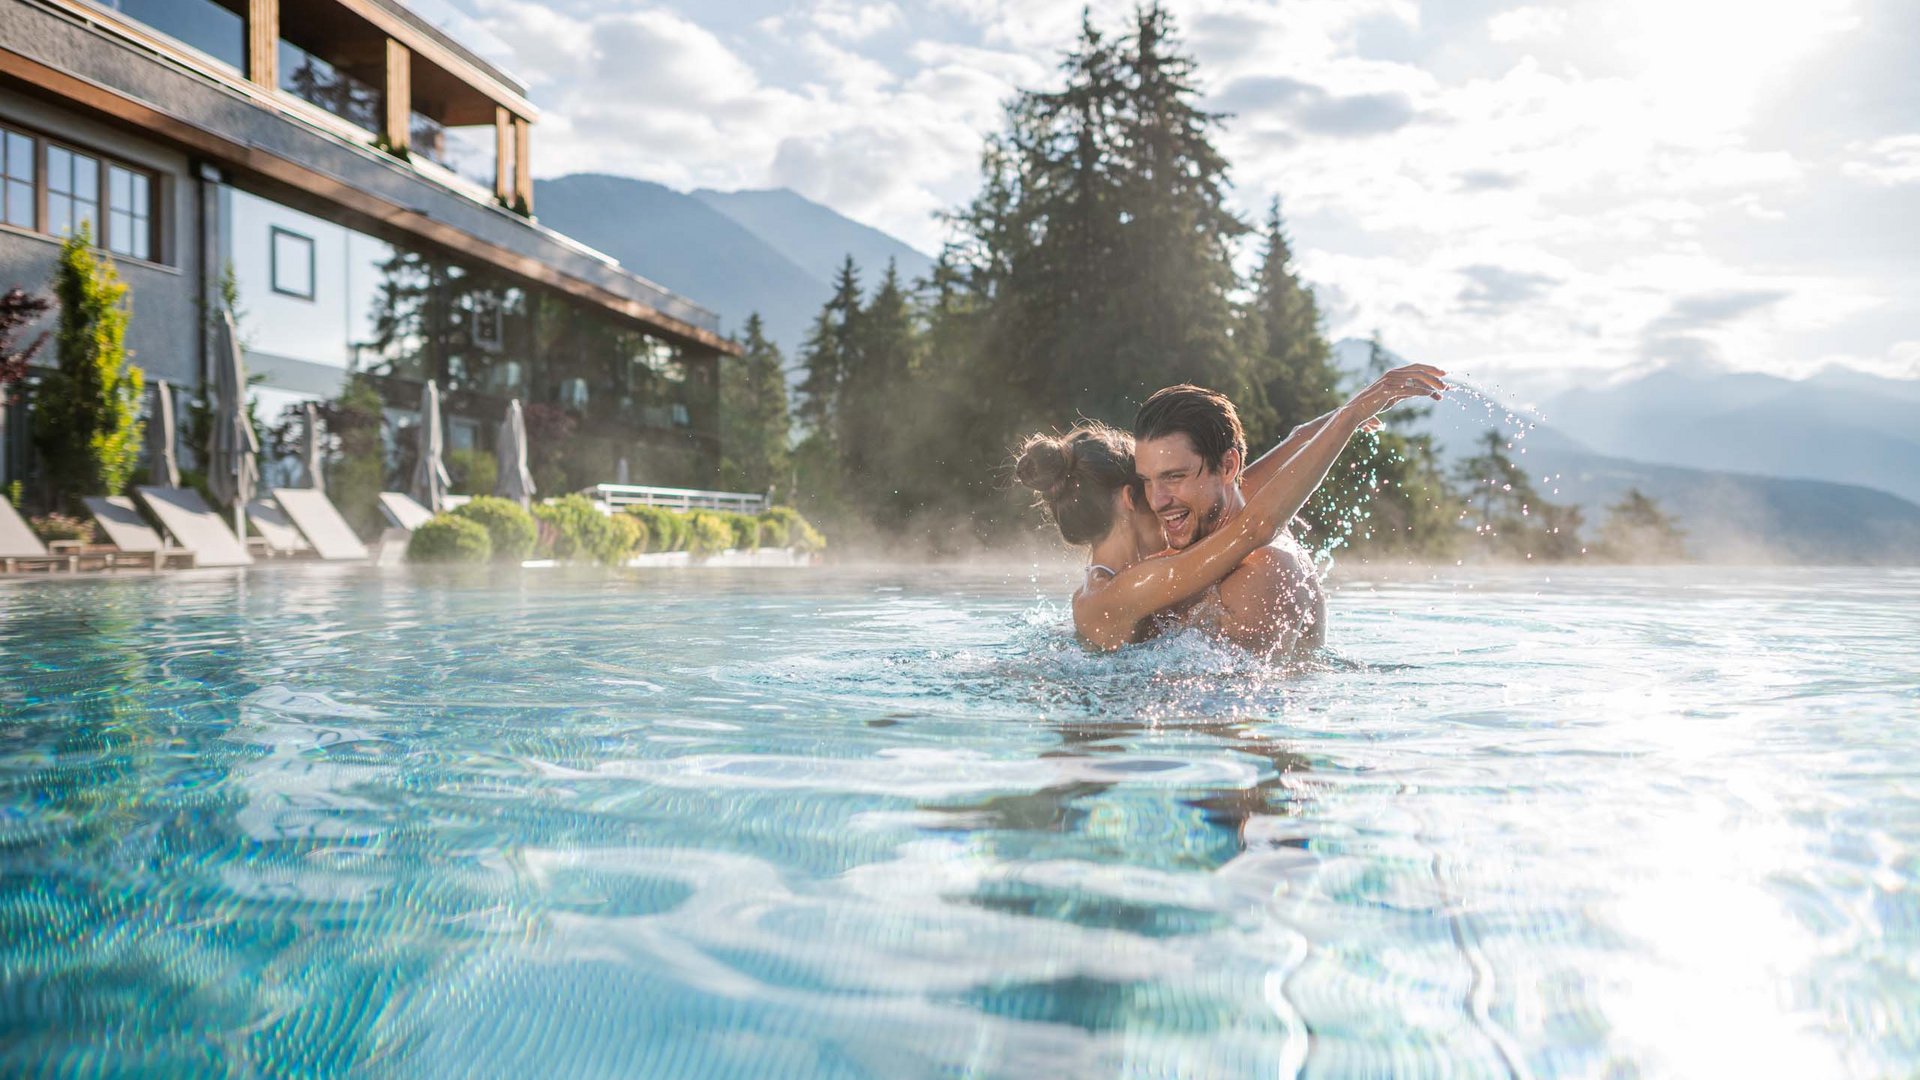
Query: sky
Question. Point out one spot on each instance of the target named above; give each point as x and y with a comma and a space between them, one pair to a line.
1539, 195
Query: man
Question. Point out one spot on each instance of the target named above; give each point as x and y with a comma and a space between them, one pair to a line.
1190, 453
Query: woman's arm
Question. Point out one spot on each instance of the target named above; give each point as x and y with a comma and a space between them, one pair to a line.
1108, 618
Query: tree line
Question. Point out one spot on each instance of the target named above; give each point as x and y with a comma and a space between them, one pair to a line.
1096, 265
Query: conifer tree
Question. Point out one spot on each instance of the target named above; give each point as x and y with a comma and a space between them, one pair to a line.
828, 354
1292, 362
754, 425
86, 421
1638, 530
873, 433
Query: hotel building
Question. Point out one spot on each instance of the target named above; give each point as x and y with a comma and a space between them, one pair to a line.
362, 180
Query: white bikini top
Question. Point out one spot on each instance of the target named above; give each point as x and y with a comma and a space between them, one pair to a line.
1108, 570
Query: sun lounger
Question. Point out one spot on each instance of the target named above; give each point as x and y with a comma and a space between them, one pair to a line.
194, 525
402, 511
320, 522
21, 550
273, 525
134, 540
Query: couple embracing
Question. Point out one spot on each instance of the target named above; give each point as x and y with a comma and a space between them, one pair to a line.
1182, 531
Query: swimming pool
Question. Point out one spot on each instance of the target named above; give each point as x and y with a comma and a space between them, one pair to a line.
892, 823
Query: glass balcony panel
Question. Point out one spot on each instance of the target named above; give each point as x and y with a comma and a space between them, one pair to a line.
318, 82
210, 27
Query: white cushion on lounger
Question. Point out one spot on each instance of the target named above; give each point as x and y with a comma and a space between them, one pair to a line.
315, 516
16, 539
194, 526
121, 521
272, 524
401, 509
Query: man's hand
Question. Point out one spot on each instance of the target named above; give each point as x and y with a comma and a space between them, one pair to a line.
1398, 385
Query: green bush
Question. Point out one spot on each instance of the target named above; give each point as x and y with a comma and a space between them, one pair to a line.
707, 533
666, 530
782, 526
86, 411
450, 539
746, 531
510, 528
473, 472
633, 534
583, 532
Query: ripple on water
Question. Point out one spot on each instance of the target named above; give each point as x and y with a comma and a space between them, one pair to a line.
323, 822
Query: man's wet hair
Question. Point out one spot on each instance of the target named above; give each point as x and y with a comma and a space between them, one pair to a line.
1203, 415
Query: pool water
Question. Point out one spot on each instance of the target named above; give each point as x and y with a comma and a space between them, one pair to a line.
311, 821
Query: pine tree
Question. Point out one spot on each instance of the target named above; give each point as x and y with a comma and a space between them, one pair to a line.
754, 425
1292, 362
86, 421
1507, 514
1173, 297
1638, 530
874, 436
827, 354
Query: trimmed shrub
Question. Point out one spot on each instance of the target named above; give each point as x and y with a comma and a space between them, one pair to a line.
746, 531
782, 526
707, 533
665, 528
509, 527
581, 531
450, 539
633, 534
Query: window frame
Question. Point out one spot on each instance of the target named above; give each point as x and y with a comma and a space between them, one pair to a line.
274, 233
103, 239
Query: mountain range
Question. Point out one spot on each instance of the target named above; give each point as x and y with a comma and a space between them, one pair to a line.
1752, 466
1735, 514
735, 252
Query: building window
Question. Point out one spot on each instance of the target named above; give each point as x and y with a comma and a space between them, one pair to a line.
292, 257
488, 330
16, 180
73, 192
129, 212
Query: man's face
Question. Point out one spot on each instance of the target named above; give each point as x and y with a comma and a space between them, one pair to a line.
1188, 499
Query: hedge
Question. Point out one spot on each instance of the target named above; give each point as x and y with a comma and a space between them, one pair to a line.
583, 532
510, 527
666, 530
450, 539
707, 533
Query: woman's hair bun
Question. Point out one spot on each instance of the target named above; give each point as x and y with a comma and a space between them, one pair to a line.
1044, 464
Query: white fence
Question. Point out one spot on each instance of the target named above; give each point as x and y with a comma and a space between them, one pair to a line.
616, 497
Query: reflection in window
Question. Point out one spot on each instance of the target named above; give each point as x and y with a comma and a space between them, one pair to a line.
314, 80
487, 330
292, 256
129, 220
213, 28
16, 179
73, 191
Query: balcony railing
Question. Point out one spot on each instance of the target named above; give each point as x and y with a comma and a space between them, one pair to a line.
616, 497
210, 27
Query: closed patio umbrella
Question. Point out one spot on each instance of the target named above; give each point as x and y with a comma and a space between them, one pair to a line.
233, 464
516, 481
165, 467
310, 453
430, 480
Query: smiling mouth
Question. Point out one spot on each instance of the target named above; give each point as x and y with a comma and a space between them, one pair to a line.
1174, 519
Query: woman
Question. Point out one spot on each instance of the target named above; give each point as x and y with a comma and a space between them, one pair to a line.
1086, 481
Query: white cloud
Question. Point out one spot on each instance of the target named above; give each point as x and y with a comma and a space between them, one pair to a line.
1527, 24
1889, 161
853, 21
1530, 193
